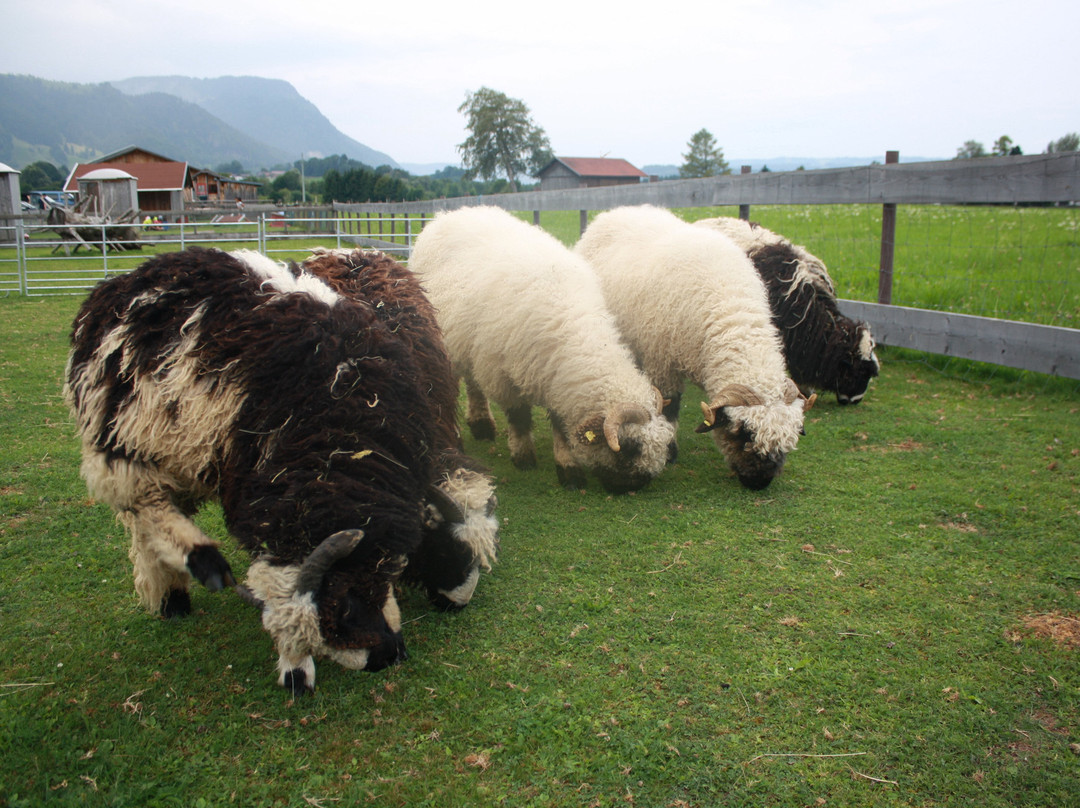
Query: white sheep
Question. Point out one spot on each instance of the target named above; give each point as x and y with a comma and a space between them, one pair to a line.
692, 307
525, 324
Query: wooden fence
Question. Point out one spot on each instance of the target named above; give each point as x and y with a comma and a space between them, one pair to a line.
1047, 178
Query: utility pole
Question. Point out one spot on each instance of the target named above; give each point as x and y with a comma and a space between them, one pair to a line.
303, 185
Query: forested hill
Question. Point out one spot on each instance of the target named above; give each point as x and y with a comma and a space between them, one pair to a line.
64, 123
270, 109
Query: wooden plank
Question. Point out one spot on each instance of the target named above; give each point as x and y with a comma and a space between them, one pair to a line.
1042, 348
1001, 180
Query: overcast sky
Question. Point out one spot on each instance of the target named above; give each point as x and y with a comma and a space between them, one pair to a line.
768, 78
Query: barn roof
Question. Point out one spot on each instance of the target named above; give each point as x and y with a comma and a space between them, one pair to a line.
597, 167
151, 176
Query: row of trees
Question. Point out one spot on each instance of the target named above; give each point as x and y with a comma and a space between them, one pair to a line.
1004, 146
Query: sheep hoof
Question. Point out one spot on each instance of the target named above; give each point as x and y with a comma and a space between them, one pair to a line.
482, 430
524, 462
571, 478
296, 682
176, 604
210, 568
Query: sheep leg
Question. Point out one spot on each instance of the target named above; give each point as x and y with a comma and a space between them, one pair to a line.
571, 475
478, 415
167, 548
671, 412
522, 450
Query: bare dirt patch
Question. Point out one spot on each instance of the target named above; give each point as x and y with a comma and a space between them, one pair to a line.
1063, 629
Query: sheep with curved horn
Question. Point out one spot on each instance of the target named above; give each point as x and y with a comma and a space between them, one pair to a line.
305, 412
525, 324
691, 307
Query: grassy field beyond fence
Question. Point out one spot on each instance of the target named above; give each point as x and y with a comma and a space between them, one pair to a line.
894, 622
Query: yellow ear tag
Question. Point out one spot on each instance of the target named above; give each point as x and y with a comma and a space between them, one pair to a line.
590, 436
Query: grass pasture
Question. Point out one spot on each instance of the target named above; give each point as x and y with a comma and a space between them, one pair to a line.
893, 622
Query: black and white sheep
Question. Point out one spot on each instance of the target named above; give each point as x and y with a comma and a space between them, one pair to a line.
454, 548
824, 349
525, 324
203, 375
691, 307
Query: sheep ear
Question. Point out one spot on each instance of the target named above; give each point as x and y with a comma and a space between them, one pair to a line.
590, 432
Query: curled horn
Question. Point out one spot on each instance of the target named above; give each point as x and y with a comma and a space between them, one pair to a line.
623, 414
333, 548
445, 504
792, 392
733, 395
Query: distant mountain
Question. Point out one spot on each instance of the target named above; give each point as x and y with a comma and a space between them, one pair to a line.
67, 123
267, 121
270, 109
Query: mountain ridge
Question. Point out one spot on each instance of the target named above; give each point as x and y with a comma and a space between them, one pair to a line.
274, 108
67, 122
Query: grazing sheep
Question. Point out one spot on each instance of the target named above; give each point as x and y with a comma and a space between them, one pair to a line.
525, 323
691, 306
824, 349
453, 550
203, 375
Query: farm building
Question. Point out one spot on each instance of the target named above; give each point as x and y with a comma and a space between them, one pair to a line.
110, 192
588, 172
9, 200
165, 184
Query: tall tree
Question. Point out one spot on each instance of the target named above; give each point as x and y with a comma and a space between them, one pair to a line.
970, 149
705, 158
1070, 142
1004, 146
503, 137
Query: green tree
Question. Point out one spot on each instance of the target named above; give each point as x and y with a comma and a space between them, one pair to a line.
41, 176
1004, 146
705, 158
234, 167
970, 149
1070, 142
503, 138
289, 181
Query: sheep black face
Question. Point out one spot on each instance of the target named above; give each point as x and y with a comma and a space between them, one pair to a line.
625, 447
461, 536
339, 604
754, 436
754, 470
855, 371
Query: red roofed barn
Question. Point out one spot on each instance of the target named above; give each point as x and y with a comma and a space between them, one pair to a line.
165, 184
588, 172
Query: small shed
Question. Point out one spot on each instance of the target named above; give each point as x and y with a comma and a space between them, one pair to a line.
110, 192
9, 202
588, 172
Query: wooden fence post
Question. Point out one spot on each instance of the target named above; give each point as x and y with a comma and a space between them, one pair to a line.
744, 210
888, 241
584, 221
536, 218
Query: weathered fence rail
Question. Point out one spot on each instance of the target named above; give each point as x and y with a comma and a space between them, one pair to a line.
1053, 179
1036, 179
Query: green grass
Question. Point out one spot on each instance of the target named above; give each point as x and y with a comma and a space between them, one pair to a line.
1019, 263
693, 644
